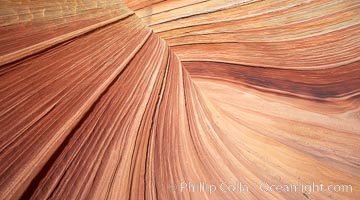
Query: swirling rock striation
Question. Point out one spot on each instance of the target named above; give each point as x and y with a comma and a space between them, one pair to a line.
102, 101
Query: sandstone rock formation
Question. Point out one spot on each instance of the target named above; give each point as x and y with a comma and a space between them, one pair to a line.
142, 99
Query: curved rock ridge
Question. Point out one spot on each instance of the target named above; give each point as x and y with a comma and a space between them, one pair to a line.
276, 34
49, 23
189, 99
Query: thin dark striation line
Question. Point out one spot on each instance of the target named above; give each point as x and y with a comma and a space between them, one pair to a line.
210, 43
259, 66
152, 14
197, 14
149, 5
195, 25
263, 67
230, 63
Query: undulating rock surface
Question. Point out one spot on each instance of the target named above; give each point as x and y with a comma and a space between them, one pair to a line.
180, 99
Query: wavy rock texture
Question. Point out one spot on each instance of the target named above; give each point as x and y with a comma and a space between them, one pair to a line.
104, 101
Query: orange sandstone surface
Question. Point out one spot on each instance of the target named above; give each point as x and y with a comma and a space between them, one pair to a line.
180, 99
